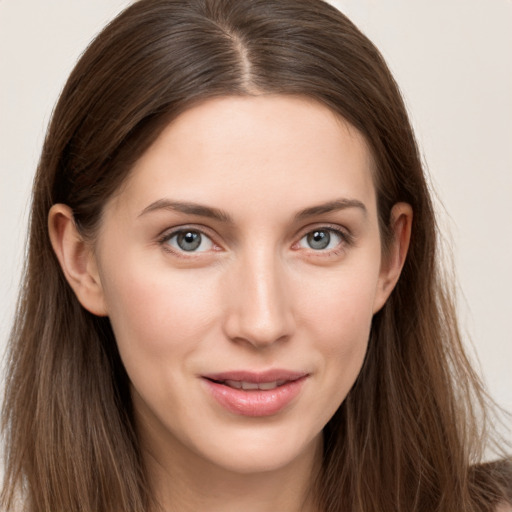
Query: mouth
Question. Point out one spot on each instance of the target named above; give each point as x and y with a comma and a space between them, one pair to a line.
251, 386
255, 394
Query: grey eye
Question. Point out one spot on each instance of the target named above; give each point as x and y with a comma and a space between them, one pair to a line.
321, 239
190, 241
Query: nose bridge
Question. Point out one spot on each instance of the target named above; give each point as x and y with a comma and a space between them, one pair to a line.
260, 309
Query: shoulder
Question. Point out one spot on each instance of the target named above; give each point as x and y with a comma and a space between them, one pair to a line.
492, 483
503, 507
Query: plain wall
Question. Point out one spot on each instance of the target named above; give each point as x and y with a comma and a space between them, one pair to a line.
453, 61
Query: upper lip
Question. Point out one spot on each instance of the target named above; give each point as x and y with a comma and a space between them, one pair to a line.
256, 377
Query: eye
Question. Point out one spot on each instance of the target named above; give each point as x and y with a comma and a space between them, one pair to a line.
189, 240
321, 239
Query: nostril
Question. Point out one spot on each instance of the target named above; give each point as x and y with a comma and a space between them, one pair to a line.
259, 305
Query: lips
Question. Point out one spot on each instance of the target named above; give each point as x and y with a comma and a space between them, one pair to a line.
247, 386
255, 394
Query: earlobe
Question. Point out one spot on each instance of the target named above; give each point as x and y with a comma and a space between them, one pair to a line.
394, 259
76, 259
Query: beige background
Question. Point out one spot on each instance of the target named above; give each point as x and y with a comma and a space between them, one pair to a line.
453, 61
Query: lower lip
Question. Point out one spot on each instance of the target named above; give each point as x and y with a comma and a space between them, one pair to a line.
256, 402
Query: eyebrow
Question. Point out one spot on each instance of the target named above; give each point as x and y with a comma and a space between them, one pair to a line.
331, 206
190, 209
222, 216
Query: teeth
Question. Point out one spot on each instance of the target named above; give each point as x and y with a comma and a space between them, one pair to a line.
234, 384
268, 385
249, 385
253, 385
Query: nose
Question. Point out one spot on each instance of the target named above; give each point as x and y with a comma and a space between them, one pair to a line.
259, 309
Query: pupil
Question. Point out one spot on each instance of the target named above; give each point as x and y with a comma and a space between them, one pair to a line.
189, 241
319, 239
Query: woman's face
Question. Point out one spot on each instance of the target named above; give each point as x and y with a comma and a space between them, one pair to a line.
240, 266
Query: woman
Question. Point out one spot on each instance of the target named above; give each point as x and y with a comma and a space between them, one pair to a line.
232, 299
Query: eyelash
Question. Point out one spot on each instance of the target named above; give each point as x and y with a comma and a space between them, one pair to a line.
163, 241
346, 238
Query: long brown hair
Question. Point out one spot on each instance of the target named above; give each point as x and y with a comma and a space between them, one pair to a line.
407, 437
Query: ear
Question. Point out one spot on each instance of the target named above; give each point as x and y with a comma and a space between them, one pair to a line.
76, 259
394, 258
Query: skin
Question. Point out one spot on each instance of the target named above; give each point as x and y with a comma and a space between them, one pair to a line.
254, 296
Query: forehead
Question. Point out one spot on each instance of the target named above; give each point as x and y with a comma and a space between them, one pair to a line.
253, 149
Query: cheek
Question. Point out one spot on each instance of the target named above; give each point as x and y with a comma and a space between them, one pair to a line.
338, 316
341, 303
344, 339
155, 312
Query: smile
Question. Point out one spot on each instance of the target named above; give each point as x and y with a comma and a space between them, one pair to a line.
255, 394
248, 386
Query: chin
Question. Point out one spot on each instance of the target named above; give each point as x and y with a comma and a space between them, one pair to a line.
262, 450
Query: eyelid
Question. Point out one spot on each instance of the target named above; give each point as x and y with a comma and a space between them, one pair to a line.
169, 233
344, 233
